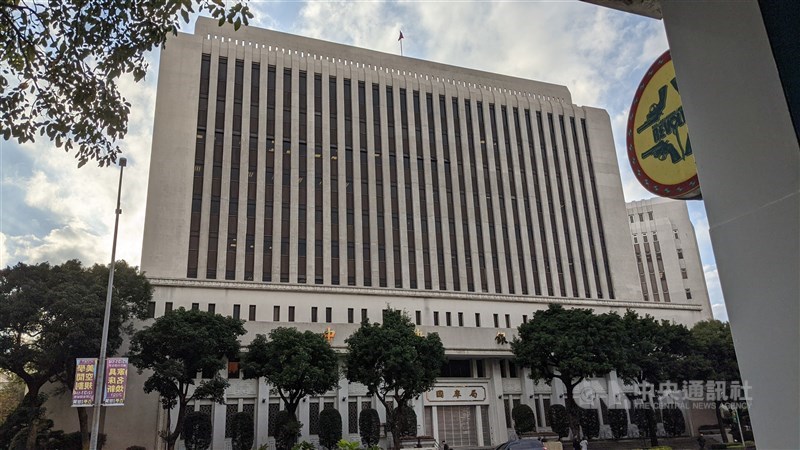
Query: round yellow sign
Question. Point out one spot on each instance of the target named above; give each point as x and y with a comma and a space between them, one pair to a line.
659, 148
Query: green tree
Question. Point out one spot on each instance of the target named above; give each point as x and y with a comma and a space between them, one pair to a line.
712, 356
176, 347
569, 345
524, 420
51, 315
653, 352
393, 362
242, 431
197, 430
330, 427
295, 363
369, 426
62, 59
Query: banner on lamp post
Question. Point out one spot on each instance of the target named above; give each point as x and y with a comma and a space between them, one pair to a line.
83, 389
116, 381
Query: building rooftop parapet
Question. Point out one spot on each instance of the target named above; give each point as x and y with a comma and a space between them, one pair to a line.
363, 59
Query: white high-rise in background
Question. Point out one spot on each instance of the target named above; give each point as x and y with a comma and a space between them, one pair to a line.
667, 256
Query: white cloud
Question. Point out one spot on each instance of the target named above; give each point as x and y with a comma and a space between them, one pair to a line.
598, 53
82, 201
61, 244
715, 292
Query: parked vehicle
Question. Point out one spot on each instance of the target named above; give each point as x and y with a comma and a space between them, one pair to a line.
523, 444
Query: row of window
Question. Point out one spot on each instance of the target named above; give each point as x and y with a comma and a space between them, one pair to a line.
650, 269
641, 216
315, 316
390, 166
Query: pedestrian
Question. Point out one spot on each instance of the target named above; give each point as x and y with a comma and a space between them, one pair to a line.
584, 444
701, 441
575, 444
445, 446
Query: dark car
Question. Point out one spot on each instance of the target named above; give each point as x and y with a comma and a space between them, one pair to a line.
523, 444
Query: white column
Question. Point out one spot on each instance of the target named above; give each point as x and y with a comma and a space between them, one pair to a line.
748, 161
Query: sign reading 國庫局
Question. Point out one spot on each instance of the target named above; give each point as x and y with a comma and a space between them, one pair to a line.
659, 148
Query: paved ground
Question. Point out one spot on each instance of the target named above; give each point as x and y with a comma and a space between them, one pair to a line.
681, 443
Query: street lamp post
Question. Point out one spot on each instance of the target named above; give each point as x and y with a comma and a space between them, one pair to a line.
101, 363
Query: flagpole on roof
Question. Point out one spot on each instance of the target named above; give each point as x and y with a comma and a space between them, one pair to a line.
400, 39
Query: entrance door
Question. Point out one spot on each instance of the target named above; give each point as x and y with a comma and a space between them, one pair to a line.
458, 425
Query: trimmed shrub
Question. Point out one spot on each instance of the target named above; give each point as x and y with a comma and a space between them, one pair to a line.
639, 418
524, 420
590, 424
559, 421
197, 431
330, 427
674, 423
242, 431
287, 429
409, 427
618, 421
408, 420
369, 426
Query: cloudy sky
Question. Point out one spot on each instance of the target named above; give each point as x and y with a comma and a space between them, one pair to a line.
52, 211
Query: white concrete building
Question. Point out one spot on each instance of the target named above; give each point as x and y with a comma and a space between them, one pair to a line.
667, 255
296, 182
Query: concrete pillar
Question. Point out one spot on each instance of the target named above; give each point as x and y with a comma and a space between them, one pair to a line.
748, 162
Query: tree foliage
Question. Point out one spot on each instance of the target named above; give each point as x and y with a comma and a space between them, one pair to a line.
393, 362
61, 61
295, 363
51, 315
653, 353
569, 345
712, 357
330, 427
369, 427
197, 431
242, 431
524, 420
178, 346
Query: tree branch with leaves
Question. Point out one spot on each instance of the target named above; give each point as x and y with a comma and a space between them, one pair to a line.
569, 345
177, 347
394, 363
61, 61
